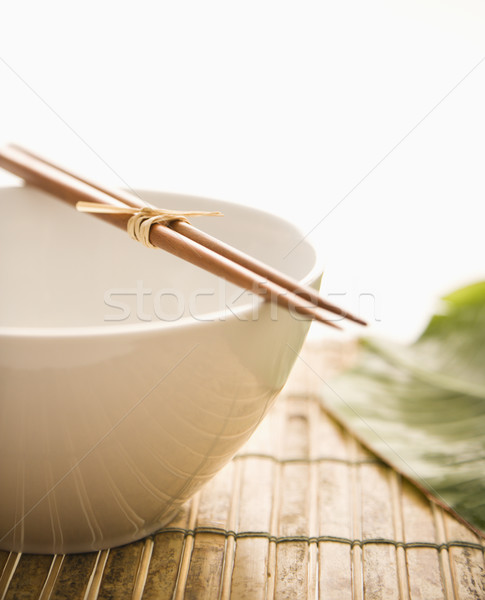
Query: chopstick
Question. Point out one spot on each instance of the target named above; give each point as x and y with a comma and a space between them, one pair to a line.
179, 238
223, 249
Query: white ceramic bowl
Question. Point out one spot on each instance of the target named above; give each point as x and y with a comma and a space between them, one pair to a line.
128, 377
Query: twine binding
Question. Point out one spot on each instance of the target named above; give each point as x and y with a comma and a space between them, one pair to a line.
318, 539
142, 219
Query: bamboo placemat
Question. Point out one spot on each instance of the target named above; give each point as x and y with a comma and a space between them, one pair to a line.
303, 511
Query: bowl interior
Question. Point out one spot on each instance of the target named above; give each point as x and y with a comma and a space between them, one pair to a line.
61, 268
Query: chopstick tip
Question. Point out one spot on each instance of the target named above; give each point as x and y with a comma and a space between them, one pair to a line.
320, 319
357, 320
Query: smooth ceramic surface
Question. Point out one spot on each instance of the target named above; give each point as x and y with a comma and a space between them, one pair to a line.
128, 378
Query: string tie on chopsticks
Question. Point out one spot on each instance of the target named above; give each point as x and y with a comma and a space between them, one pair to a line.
142, 219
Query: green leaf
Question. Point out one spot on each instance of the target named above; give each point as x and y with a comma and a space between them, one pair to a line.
422, 407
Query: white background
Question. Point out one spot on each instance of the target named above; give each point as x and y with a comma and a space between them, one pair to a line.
361, 121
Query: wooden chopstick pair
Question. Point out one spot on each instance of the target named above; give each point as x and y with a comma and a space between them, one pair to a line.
178, 237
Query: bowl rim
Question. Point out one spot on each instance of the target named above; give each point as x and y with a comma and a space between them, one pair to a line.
222, 315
